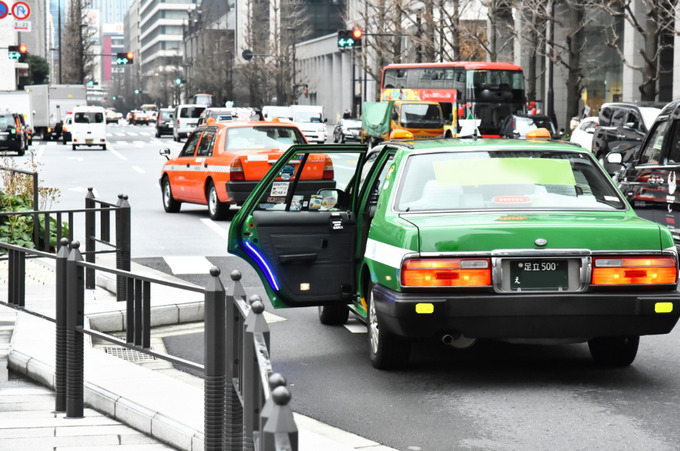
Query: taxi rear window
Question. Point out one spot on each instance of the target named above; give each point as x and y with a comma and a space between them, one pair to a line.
256, 138
505, 180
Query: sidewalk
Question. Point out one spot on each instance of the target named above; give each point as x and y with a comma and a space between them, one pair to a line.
128, 406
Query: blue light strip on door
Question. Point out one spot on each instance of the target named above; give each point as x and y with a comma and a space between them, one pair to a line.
250, 250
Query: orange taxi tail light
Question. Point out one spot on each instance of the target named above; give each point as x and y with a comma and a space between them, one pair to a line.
328, 172
446, 272
236, 171
634, 271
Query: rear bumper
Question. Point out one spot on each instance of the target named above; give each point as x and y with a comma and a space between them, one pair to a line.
576, 315
238, 192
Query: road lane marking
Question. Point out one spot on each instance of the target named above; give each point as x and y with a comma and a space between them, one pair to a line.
118, 154
217, 229
188, 265
355, 326
138, 169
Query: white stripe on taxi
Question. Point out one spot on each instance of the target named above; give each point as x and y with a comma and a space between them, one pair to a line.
385, 253
197, 168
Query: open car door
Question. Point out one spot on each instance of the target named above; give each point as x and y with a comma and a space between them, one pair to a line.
298, 228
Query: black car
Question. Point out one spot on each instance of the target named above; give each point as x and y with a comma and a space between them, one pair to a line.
622, 126
650, 179
164, 122
518, 125
347, 130
12, 136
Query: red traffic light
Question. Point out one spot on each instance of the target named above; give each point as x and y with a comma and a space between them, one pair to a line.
357, 33
23, 48
130, 55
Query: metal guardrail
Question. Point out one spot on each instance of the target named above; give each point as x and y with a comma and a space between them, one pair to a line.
245, 402
96, 212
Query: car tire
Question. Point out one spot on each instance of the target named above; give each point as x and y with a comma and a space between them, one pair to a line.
74, 147
21, 152
217, 210
158, 134
387, 350
169, 203
333, 315
103, 146
614, 351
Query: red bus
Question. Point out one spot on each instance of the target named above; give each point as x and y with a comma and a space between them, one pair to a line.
470, 92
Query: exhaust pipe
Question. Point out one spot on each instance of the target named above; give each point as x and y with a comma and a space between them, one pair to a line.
458, 340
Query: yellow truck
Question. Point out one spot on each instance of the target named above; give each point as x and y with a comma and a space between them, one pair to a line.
383, 120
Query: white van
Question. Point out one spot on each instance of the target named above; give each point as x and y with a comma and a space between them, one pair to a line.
88, 127
284, 113
186, 119
309, 119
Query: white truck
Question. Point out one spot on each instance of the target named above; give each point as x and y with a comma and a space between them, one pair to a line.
311, 122
19, 102
51, 103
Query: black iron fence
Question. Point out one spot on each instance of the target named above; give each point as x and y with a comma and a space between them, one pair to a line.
245, 402
99, 235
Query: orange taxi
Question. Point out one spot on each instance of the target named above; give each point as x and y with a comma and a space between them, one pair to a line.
221, 163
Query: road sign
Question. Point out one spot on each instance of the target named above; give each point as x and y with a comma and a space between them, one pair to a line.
4, 10
22, 25
247, 54
21, 10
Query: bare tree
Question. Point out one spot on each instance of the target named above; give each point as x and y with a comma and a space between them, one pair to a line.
650, 21
77, 57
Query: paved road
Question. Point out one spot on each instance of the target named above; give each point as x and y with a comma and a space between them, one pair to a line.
494, 396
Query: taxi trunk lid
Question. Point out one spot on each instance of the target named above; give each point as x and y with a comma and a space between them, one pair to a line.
462, 232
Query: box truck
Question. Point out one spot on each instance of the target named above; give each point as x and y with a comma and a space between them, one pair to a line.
50, 104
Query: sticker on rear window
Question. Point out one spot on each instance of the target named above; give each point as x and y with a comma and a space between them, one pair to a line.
279, 189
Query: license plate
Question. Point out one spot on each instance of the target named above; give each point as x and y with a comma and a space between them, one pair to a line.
539, 275
89, 141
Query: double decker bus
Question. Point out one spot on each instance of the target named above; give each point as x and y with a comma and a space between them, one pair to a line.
477, 92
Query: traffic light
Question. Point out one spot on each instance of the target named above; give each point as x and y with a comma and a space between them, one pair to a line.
345, 39
348, 39
13, 52
90, 83
137, 91
17, 52
179, 81
125, 58
357, 34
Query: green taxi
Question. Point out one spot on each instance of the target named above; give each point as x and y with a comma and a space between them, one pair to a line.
459, 240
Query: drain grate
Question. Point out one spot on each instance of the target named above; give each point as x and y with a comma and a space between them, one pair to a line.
128, 354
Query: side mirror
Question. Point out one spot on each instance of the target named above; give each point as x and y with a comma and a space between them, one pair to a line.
165, 152
590, 130
614, 158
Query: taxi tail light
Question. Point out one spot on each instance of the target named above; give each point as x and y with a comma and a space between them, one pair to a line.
236, 171
328, 171
446, 272
634, 271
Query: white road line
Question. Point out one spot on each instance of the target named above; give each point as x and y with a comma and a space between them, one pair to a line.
188, 265
116, 153
140, 143
217, 229
138, 169
356, 327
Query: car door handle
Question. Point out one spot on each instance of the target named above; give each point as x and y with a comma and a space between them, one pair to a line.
297, 258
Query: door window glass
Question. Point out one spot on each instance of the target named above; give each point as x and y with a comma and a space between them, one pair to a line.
299, 184
190, 147
652, 153
206, 145
674, 145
